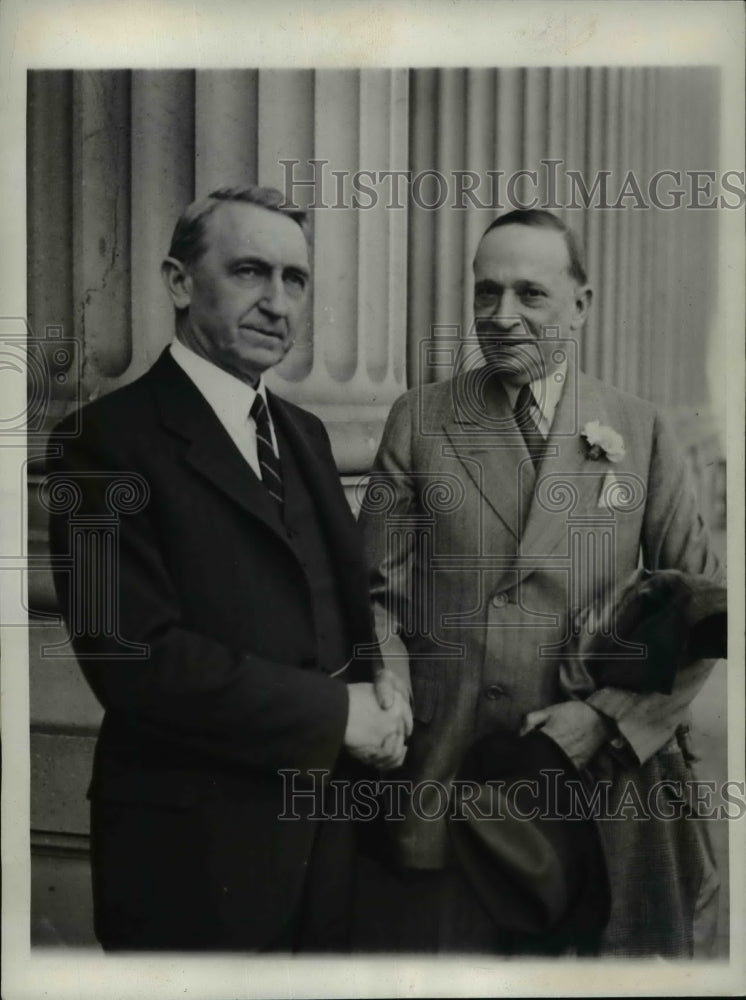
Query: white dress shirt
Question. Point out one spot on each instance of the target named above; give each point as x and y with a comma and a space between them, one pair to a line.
230, 398
547, 392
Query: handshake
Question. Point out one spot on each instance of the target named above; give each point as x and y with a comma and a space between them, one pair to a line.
379, 720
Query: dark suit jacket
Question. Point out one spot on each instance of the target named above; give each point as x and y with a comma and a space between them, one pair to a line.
207, 671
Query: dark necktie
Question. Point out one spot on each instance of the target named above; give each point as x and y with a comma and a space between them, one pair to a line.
269, 463
529, 429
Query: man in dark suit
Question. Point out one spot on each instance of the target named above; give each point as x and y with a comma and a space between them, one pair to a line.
219, 630
503, 503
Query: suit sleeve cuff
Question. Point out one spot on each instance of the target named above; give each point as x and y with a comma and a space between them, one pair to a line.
627, 743
327, 742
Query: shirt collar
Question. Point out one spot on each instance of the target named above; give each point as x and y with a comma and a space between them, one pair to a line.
547, 392
229, 397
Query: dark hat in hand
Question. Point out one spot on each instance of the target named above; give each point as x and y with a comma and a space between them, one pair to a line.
525, 843
655, 625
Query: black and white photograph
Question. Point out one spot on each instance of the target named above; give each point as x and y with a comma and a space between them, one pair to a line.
372, 460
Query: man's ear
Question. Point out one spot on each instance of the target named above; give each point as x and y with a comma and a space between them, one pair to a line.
583, 300
178, 282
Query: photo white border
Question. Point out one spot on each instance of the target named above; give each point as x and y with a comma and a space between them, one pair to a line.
133, 34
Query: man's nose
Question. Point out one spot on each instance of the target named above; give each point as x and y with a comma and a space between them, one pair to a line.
274, 299
505, 314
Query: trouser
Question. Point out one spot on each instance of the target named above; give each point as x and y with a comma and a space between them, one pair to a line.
413, 911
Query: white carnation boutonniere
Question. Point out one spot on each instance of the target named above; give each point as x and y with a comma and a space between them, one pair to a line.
603, 442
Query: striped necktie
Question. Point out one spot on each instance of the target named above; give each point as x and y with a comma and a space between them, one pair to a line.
528, 427
269, 463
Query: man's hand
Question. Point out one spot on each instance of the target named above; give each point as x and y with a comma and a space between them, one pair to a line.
574, 726
375, 735
392, 692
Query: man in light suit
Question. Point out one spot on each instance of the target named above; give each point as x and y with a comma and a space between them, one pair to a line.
219, 633
503, 502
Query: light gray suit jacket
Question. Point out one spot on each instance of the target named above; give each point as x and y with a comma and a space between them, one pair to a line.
480, 565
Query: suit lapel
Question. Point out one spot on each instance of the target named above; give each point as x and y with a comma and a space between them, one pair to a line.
483, 436
319, 474
568, 482
209, 449
311, 452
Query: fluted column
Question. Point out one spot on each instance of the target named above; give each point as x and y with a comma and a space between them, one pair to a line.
114, 157
226, 121
50, 294
354, 368
285, 131
614, 128
101, 230
423, 310
162, 184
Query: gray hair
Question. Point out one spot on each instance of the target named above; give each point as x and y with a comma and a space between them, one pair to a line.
188, 240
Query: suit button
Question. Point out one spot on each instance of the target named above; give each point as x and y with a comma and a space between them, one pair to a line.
500, 600
493, 692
